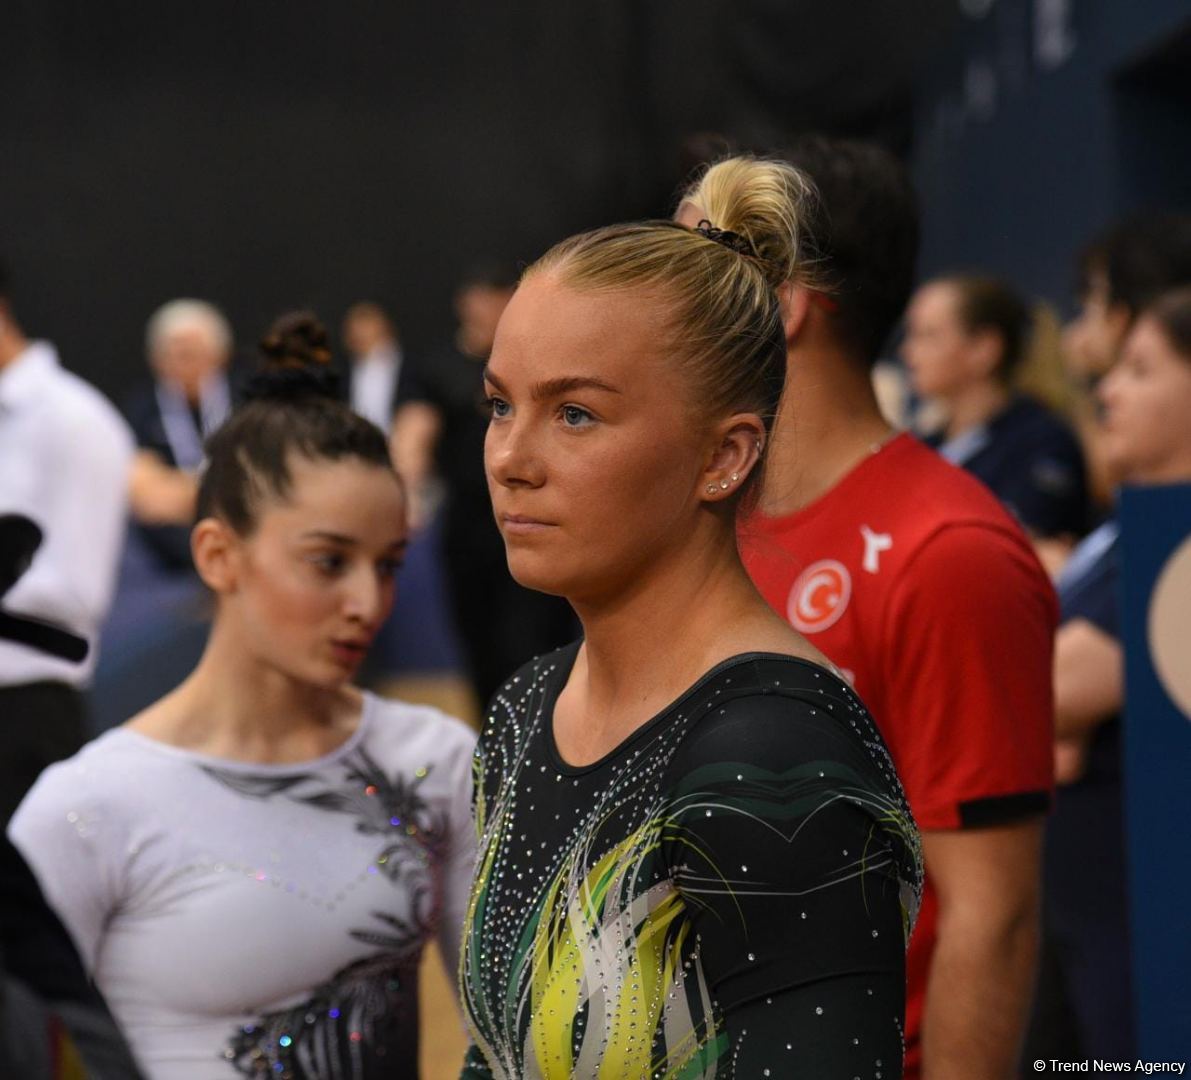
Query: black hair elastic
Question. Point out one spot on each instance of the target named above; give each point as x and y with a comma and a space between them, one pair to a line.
732, 240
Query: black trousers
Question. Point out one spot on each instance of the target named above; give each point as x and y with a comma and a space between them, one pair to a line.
40, 723
46, 996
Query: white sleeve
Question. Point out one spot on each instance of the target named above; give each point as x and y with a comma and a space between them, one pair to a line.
102, 484
461, 850
62, 834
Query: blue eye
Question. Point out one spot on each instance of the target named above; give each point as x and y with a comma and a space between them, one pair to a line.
574, 416
498, 408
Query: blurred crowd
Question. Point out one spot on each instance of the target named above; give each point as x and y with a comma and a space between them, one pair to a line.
1052, 418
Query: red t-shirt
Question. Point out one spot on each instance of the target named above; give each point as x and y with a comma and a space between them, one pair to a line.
911, 577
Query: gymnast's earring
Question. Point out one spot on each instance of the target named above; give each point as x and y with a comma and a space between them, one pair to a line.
711, 489
735, 477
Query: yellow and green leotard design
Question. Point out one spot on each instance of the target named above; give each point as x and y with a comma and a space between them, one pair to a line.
728, 892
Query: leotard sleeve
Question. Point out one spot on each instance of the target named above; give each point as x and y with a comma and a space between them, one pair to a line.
70, 842
799, 867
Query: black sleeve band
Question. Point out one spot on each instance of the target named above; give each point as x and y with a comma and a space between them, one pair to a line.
1003, 809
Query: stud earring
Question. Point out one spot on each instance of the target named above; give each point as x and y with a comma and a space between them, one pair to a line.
724, 485
711, 489
735, 477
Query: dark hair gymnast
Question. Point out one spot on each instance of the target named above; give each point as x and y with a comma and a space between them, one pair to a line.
291, 407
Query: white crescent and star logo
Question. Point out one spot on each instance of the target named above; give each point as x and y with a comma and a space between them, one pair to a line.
819, 596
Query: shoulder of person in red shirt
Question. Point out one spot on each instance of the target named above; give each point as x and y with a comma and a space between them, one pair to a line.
911, 576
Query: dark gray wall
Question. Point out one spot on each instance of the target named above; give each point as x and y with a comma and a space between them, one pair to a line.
267, 156
1042, 122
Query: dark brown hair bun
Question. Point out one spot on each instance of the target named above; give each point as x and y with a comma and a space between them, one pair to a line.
295, 361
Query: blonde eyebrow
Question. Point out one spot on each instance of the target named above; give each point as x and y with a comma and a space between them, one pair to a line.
552, 388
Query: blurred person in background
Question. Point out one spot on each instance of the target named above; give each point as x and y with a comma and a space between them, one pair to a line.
439, 429
266, 810
965, 338
1123, 269
64, 460
1085, 1004
416, 643
54, 1025
189, 347
908, 574
695, 856
160, 616
375, 350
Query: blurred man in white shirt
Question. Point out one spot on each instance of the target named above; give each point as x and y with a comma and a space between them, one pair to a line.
65, 455
376, 362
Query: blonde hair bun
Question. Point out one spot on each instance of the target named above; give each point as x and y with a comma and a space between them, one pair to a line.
768, 203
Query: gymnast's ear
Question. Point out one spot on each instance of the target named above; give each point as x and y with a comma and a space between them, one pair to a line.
216, 550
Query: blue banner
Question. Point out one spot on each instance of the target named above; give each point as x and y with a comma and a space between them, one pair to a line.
1156, 629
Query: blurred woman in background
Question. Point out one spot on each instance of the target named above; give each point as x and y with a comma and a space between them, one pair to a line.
1120, 273
251, 866
695, 857
1146, 440
965, 338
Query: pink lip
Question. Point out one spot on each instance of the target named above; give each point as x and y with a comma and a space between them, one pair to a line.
516, 523
349, 652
